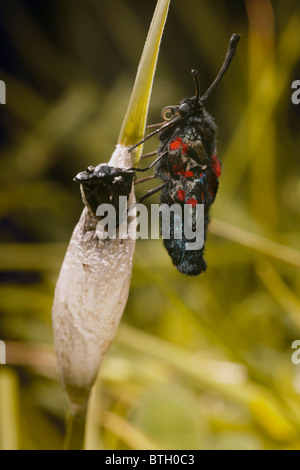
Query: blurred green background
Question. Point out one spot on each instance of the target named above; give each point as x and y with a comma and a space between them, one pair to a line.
198, 363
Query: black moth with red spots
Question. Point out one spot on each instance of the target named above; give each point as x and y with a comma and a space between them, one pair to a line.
193, 179
187, 164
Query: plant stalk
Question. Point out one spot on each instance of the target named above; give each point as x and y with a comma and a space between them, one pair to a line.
75, 432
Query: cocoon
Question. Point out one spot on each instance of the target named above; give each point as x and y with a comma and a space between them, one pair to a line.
90, 297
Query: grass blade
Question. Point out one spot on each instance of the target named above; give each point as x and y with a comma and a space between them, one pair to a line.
133, 126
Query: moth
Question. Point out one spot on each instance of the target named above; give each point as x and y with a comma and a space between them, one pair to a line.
188, 166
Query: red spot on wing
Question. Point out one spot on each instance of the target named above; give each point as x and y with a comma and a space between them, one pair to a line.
178, 170
181, 195
216, 166
178, 144
192, 201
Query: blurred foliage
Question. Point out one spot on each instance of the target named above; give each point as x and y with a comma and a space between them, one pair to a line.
199, 363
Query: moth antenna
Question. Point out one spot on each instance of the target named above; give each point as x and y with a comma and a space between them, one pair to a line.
195, 76
228, 58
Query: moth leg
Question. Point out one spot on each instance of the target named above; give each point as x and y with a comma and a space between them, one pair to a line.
163, 127
152, 126
150, 154
144, 179
151, 164
153, 191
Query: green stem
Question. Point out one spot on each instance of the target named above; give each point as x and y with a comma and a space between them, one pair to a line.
74, 439
133, 127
